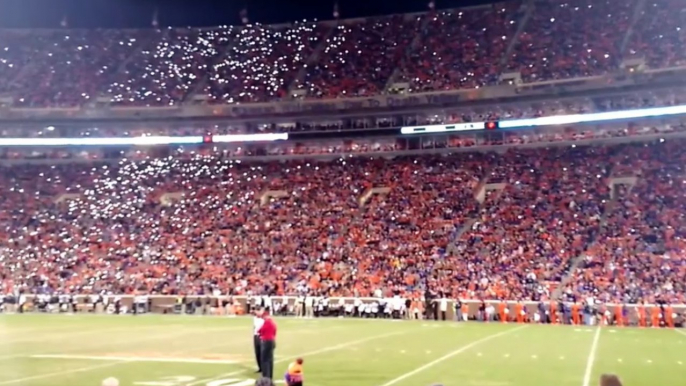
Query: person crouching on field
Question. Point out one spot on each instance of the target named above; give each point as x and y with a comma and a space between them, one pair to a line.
294, 374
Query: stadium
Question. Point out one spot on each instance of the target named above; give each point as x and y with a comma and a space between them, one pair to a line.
484, 195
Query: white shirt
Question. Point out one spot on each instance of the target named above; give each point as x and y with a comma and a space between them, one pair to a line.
398, 303
257, 324
444, 304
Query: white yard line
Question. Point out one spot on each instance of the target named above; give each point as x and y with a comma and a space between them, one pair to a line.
289, 358
113, 362
450, 355
6, 330
126, 343
680, 331
61, 373
52, 335
591, 357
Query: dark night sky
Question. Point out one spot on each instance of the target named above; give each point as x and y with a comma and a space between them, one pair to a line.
138, 13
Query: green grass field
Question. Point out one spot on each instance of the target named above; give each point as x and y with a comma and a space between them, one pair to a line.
63, 350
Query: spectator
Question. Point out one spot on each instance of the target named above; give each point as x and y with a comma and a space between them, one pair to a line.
610, 380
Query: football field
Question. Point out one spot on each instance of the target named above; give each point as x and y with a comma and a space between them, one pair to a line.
156, 350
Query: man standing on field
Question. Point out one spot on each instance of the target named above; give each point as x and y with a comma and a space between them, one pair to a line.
257, 323
268, 344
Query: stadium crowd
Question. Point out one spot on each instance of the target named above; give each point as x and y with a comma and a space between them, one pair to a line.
488, 222
564, 40
543, 40
638, 255
202, 222
451, 50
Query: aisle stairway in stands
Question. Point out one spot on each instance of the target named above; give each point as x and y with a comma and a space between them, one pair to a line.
481, 191
408, 51
614, 183
197, 93
640, 5
312, 60
528, 8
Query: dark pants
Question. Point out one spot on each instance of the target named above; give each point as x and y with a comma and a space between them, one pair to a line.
267, 357
258, 351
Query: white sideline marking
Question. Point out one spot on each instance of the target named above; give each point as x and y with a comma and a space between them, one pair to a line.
164, 335
65, 372
591, 358
288, 358
137, 359
449, 355
113, 362
63, 335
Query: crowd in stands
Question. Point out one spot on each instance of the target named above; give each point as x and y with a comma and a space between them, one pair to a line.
342, 217
195, 222
659, 34
63, 68
262, 62
169, 67
434, 51
359, 58
571, 39
460, 49
638, 255
532, 229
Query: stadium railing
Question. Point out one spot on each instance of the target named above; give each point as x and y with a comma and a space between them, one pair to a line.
209, 304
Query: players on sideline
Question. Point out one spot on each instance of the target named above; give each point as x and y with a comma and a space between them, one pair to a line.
432, 306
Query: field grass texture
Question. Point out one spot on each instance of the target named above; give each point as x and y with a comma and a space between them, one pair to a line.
156, 350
